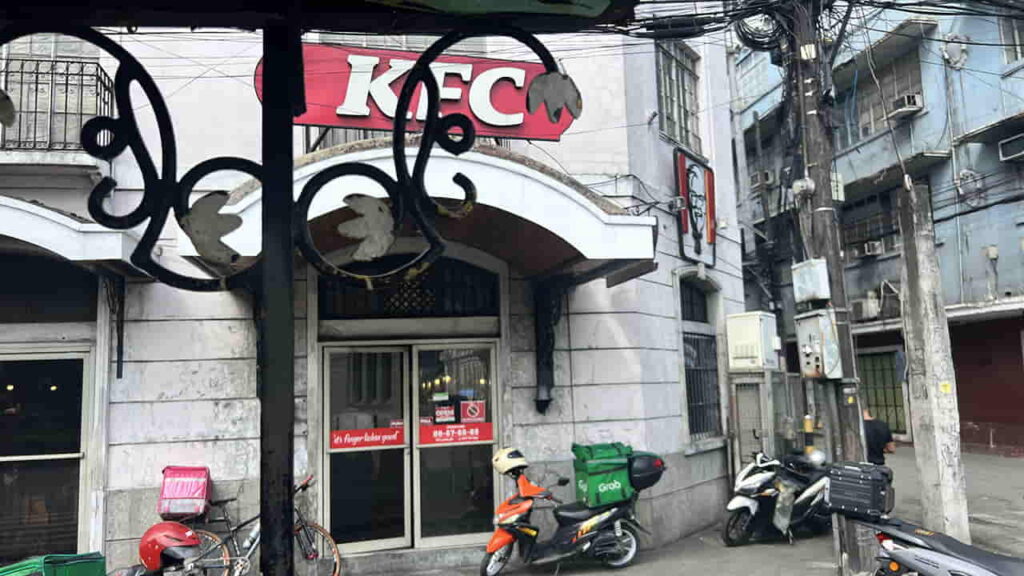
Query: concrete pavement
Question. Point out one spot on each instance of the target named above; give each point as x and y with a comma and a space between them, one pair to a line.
703, 554
995, 497
995, 494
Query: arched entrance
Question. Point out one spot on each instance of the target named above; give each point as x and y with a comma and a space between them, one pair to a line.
410, 386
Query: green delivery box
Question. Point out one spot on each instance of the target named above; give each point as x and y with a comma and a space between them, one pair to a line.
602, 473
91, 564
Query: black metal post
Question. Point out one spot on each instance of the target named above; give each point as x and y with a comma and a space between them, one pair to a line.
276, 326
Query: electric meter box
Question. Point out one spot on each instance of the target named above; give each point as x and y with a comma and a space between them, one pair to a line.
753, 343
817, 341
810, 281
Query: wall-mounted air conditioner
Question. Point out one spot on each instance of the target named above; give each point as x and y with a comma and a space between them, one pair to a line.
874, 248
1012, 149
759, 179
865, 309
906, 106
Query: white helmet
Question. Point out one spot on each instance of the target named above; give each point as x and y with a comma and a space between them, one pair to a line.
508, 460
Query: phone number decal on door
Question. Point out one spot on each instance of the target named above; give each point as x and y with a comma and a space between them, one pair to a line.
456, 433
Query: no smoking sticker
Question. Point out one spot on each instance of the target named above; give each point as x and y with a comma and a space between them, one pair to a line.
473, 411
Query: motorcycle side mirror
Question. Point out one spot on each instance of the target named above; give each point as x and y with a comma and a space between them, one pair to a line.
563, 481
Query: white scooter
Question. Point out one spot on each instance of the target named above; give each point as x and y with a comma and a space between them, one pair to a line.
781, 494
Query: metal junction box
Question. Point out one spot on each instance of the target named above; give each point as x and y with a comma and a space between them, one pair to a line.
817, 341
753, 341
810, 281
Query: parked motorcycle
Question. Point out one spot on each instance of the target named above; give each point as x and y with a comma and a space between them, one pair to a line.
608, 533
781, 494
910, 549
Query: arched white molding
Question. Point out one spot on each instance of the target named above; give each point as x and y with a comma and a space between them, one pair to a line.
587, 222
61, 234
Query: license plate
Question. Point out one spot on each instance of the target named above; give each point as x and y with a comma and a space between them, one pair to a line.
618, 528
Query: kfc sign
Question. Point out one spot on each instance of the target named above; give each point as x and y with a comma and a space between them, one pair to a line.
351, 87
696, 188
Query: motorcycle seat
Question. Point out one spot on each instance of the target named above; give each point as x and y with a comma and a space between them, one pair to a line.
996, 563
567, 514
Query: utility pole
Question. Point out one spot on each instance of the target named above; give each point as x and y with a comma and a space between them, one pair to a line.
854, 551
935, 415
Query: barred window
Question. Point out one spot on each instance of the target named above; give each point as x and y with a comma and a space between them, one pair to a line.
702, 392
677, 93
694, 303
700, 361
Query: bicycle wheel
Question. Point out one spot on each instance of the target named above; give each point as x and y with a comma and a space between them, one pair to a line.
215, 558
315, 554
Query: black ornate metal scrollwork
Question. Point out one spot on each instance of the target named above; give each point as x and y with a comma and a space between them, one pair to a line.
107, 137
408, 192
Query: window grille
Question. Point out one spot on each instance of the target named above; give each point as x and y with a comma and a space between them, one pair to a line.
448, 288
703, 396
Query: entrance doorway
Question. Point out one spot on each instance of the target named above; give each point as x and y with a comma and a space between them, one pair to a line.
409, 435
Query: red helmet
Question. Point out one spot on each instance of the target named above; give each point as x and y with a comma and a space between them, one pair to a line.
167, 544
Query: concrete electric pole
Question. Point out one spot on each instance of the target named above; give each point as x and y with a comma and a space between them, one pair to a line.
813, 190
935, 416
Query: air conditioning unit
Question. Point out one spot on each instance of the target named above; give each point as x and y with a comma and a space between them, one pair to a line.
874, 248
759, 179
1012, 149
866, 309
906, 106
753, 343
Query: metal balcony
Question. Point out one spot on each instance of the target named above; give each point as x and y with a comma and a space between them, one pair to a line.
53, 98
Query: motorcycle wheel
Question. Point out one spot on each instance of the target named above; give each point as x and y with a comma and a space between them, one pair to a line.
631, 544
737, 529
494, 562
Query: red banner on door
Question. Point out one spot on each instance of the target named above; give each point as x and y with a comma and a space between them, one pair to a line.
456, 433
367, 438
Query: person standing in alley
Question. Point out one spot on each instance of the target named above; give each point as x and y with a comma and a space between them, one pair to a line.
878, 438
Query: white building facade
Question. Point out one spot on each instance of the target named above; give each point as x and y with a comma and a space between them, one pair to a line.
106, 376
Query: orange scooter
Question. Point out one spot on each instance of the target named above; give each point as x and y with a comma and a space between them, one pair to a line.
608, 533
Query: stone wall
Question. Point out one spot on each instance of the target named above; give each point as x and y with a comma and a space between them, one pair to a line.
188, 397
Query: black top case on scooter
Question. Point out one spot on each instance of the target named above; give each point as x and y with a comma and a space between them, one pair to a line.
860, 490
645, 470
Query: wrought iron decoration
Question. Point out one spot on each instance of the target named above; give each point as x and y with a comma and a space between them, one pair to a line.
107, 137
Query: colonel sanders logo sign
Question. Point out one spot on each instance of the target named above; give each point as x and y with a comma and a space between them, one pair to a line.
696, 187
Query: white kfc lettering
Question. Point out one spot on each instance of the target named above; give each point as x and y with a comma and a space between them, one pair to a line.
480, 96
441, 70
362, 86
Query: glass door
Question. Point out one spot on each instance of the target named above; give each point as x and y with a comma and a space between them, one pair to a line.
367, 415
454, 404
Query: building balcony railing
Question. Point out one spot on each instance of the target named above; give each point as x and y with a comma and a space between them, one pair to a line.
53, 99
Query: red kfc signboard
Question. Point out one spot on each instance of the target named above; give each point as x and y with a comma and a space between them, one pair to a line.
351, 87
698, 236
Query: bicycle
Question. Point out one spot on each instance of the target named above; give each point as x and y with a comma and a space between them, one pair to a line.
316, 553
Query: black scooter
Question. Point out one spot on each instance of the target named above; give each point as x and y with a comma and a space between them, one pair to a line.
608, 533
